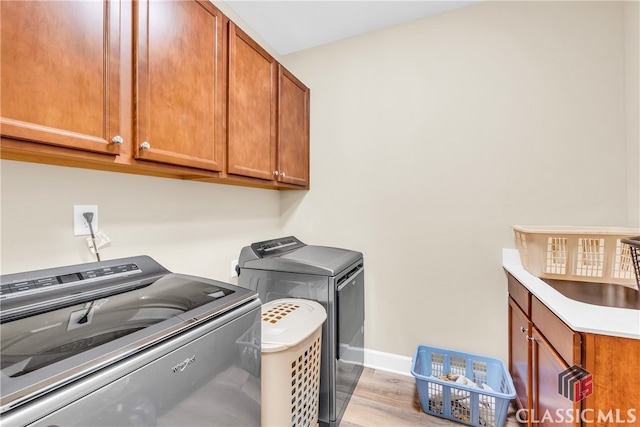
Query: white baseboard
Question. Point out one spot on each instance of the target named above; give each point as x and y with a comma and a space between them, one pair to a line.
387, 362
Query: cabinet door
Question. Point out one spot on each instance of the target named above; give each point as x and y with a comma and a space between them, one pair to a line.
615, 365
60, 73
550, 408
180, 96
251, 149
293, 129
520, 356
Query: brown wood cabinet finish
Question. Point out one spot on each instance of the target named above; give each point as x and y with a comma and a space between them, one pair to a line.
60, 73
537, 384
191, 95
613, 362
520, 355
546, 401
615, 365
565, 341
293, 129
180, 84
519, 294
251, 149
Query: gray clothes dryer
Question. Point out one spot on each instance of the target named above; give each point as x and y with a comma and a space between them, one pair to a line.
334, 277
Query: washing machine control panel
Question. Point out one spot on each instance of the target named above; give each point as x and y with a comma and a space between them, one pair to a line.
37, 284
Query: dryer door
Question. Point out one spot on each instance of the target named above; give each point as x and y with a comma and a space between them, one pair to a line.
349, 338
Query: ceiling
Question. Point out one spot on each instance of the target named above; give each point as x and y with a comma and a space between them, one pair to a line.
294, 25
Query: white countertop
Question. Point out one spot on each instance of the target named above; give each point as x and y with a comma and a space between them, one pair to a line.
582, 317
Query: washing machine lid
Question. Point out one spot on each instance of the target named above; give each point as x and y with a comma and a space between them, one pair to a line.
302, 259
88, 318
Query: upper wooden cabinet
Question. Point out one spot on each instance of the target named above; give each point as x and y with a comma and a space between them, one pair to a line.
293, 129
180, 83
253, 76
268, 132
60, 73
158, 87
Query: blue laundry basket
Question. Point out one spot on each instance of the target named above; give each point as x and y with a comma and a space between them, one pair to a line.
482, 406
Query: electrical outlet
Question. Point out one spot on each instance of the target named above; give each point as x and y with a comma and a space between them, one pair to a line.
234, 265
80, 226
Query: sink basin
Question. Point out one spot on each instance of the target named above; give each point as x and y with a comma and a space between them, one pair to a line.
604, 294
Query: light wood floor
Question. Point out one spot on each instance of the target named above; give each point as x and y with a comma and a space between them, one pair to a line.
388, 400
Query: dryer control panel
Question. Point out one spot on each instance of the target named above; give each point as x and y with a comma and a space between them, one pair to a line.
276, 247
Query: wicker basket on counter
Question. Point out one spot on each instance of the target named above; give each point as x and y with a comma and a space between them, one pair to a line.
586, 254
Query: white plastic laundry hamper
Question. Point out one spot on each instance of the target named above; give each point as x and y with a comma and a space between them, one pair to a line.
291, 343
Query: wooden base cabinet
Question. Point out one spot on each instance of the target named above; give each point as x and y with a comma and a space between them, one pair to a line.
520, 356
535, 366
541, 347
614, 363
549, 407
608, 369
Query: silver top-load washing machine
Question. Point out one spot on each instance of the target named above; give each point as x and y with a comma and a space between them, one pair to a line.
288, 268
127, 343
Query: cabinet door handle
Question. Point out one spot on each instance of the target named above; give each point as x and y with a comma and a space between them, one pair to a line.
529, 338
523, 329
145, 146
282, 174
275, 173
117, 139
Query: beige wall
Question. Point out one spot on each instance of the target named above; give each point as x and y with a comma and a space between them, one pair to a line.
189, 227
632, 79
429, 139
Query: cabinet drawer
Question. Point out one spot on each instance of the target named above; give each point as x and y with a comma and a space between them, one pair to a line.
520, 294
564, 340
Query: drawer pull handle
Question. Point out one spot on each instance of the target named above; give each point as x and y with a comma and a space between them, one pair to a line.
528, 338
523, 329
